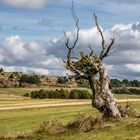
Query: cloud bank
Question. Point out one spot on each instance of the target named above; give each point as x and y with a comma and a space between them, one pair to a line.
28, 57
124, 62
47, 57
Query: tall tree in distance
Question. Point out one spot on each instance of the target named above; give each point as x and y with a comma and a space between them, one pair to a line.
90, 67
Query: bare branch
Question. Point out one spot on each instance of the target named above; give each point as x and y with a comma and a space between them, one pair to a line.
105, 50
101, 34
108, 49
77, 25
91, 50
71, 47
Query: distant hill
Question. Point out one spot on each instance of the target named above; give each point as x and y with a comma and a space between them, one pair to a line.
17, 79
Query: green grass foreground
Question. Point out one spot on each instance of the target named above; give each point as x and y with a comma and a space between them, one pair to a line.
20, 120
17, 121
13, 122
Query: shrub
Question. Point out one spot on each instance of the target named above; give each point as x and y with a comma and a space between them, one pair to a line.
31, 79
51, 94
36, 95
121, 91
79, 94
26, 95
134, 91
73, 94
126, 91
62, 80
61, 94
64, 94
11, 76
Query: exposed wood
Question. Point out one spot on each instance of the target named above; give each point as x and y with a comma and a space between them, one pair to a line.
89, 66
104, 100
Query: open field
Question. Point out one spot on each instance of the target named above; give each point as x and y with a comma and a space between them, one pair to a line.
23, 103
25, 119
18, 114
14, 121
9, 92
22, 120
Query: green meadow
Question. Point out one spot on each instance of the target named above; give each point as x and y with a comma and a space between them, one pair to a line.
16, 121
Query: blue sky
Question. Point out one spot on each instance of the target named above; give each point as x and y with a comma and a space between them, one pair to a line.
24, 21
26, 27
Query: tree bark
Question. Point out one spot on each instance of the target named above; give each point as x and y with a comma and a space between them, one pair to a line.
103, 99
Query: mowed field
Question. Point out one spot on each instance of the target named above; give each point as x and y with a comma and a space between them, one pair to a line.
20, 91
18, 120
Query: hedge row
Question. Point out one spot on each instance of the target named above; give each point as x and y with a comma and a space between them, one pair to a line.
126, 91
61, 94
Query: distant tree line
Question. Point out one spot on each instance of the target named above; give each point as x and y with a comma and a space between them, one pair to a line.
126, 90
74, 93
60, 94
124, 83
113, 83
30, 79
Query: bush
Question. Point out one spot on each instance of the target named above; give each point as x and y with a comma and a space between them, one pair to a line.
31, 79
38, 95
134, 91
121, 91
11, 76
83, 123
79, 94
26, 95
62, 80
61, 94
126, 91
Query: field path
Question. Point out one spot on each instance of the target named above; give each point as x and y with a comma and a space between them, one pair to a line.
56, 104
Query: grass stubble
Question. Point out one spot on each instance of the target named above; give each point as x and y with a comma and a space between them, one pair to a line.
86, 126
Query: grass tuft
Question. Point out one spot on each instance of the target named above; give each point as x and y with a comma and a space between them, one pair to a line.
128, 110
52, 127
85, 123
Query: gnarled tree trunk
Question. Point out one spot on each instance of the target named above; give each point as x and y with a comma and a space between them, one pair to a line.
87, 66
103, 99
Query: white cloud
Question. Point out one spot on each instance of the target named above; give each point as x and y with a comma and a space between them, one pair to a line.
14, 46
134, 67
127, 41
19, 55
30, 4
47, 57
124, 1
27, 70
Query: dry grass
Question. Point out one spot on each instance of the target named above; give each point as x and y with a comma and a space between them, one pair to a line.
128, 110
87, 125
83, 123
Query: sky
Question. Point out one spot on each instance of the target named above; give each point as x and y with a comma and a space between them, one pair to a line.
32, 40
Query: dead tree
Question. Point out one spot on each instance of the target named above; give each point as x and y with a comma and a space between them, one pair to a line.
90, 67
